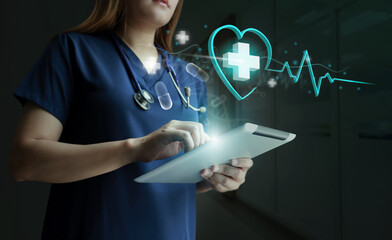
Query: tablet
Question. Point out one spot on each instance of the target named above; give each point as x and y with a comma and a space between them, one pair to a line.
248, 140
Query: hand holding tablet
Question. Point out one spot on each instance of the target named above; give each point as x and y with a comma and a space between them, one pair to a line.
246, 141
224, 177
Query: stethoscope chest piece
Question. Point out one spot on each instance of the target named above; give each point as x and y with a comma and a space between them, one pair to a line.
143, 99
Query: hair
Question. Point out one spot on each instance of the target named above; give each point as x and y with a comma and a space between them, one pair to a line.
111, 15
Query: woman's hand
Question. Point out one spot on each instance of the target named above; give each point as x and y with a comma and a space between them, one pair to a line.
169, 140
223, 178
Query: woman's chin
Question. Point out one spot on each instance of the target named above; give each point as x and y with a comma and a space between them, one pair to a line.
161, 17
159, 21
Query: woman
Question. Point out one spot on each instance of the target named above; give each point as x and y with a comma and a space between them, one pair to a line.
82, 130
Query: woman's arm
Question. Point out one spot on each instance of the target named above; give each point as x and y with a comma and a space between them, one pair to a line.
36, 154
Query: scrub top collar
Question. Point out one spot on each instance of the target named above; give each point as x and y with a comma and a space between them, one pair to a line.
147, 80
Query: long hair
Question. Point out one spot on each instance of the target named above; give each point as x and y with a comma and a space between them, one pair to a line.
111, 15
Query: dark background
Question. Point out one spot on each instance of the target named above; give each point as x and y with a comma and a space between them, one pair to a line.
333, 182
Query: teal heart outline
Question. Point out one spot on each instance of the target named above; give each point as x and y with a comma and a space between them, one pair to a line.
239, 35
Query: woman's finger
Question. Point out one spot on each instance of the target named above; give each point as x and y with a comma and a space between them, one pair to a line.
227, 183
180, 135
220, 182
202, 134
234, 172
207, 137
192, 128
242, 162
201, 130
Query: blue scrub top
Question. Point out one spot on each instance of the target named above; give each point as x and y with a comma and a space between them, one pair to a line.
82, 81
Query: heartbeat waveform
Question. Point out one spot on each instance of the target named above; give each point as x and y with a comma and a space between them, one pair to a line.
316, 86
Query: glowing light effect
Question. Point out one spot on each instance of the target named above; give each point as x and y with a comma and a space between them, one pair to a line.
216, 102
272, 83
182, 37
239, 35
316, 84
152, 65
197, 72
241, 61
163, 95
214, 139
286, 66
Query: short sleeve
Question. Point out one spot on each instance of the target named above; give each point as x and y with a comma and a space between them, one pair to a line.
50, 83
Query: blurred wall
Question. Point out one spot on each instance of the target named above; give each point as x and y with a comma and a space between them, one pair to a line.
334, 180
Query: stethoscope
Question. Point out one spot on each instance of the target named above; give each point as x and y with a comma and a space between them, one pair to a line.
142, 97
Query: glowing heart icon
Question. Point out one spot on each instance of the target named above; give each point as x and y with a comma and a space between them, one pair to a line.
239, 35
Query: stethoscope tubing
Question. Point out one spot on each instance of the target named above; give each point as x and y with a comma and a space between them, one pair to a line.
135, 82
169, 69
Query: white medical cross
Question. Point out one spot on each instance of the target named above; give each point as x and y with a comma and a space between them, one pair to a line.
241, 61
182, 37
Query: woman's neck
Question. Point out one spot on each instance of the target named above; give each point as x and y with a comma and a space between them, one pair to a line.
141, 41
138, 38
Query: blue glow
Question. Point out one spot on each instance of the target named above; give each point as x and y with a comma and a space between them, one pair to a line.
239, 35
316, 84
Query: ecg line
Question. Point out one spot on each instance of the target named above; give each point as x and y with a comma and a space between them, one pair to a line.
316, 86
